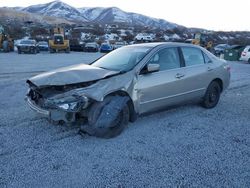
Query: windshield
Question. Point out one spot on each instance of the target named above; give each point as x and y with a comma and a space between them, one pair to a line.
119, 43
222, 46
105, 46
27, 42
122, 59
90, 45
43, 43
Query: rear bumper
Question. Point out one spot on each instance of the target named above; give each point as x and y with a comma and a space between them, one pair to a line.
244, 58
105, 51
43, 48
90, 50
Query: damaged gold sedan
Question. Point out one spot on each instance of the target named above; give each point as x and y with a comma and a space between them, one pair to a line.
127, 82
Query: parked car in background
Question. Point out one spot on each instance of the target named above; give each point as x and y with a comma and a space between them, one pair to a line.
27, 46
132, 42
91, 47
119, 44
220, 49
128, 82
106, 48
76, 45
43, 46
245, 55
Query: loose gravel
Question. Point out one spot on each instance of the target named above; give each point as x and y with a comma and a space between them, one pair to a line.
187, 146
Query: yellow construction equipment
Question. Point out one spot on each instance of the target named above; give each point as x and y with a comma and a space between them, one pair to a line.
59, 43
202, 40
6, 43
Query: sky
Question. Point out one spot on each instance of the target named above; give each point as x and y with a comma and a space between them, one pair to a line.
219, 15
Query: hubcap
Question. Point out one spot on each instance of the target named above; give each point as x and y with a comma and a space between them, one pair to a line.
213, 96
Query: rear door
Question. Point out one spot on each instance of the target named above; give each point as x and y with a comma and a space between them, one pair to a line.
198, 72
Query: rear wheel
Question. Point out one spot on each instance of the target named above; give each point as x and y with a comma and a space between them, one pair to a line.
108, 118
249, 60
212, 95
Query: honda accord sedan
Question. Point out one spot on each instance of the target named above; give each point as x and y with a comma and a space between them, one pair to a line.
132, 80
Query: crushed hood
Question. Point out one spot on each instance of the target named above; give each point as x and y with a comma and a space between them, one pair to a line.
71, 75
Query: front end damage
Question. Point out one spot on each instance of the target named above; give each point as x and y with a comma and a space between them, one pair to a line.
71, 102
57, 105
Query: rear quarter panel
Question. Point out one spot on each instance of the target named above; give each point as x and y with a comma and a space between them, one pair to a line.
220, 72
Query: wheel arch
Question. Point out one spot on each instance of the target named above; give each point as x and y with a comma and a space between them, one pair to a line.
132, 112
219, 81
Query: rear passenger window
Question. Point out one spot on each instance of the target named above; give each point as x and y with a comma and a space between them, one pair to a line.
206, 58
167, 58
192, 56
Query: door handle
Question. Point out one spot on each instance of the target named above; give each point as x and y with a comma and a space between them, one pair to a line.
209, 69
178, 75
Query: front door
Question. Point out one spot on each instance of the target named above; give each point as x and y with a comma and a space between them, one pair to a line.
159, 89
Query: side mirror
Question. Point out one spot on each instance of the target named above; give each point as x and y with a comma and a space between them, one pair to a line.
150, 68
153, 67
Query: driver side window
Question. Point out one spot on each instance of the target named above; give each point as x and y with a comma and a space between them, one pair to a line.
167, 58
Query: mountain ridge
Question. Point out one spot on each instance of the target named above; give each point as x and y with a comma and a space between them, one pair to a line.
100, 15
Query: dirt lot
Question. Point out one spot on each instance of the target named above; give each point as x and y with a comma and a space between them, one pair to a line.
186, 146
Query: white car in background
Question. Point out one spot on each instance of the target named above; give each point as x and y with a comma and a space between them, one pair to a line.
144, 37
119, 44
245, 55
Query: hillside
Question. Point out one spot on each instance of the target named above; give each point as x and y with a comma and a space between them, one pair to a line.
97, 15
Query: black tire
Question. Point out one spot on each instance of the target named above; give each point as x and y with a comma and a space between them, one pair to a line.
6, 47
107, 119
248, 60
19, 51
212, 95
31, 51
67, 50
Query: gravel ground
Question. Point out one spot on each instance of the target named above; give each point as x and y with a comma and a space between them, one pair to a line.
186, 146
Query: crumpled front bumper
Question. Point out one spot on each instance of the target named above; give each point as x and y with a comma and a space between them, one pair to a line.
51, 114
37, 109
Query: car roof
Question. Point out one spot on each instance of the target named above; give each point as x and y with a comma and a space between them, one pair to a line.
173, 44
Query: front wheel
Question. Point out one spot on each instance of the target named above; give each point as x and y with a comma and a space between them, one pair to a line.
212, 95
67, 50
6, 47
51, 50
108, 118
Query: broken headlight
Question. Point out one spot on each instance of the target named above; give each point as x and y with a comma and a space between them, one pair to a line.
72, 103
73, 106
